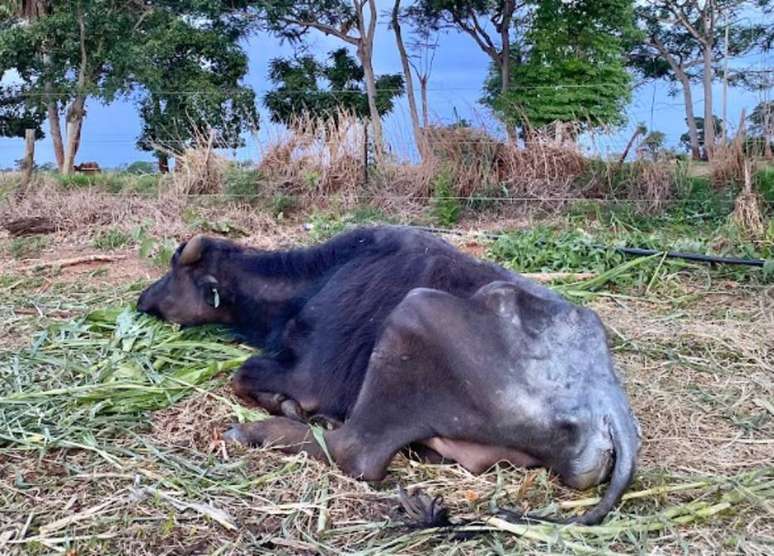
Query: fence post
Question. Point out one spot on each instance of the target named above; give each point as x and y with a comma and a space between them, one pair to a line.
28, 163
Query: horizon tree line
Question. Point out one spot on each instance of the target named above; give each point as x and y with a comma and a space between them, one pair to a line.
564, 65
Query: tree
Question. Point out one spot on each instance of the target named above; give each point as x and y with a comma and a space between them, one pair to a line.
685, 43
572, 68
16, 116
686, 139
189, 73
407, 76
353, 23
423, 50
493, 25
65, 52
305, 85
68, 51
762, 125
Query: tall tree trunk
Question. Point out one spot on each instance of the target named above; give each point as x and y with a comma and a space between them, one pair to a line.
163, 159
76, 111
679, 70
55, 130
376, 120
407, 76
637, 132
75, 116
365, 50
425, 104
690, 119
709, 120
505, 60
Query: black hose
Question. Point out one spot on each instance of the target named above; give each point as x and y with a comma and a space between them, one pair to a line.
639, 251
691, 256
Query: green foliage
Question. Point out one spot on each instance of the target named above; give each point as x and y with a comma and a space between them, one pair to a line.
573, 69
112, 182
140, 167
762, 119
112, 238
653, 144
27, 247
281, 205
545, 249
661, 24
191, 66
205, 222
16, 115
242, 182
158, 250
446, 208
75, 181
304, 85
46, 53
765, 182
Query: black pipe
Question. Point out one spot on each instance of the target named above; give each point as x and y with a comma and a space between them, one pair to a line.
639, 251
691, 256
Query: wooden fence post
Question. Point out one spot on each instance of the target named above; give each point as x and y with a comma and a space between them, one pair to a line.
28, 163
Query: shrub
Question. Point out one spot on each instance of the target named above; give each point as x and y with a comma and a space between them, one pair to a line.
140, 167
27, 247
242, 182
446, 207
111, 239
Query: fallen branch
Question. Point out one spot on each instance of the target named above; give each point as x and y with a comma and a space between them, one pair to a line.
61, 263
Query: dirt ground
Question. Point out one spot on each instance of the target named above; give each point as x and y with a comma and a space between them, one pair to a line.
696, 354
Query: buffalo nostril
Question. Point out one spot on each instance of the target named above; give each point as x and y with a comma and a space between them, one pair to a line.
142, 303
145, 304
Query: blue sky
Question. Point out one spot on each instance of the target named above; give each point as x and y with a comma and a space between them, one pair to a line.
459, 70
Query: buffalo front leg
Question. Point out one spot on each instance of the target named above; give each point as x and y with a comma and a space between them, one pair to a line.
266, 383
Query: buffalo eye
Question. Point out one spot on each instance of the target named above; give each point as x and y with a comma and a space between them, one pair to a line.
214, 297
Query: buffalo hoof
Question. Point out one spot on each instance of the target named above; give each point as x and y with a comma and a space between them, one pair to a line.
235, 435
422, 510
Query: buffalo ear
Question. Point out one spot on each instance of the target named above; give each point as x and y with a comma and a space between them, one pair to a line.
192, 252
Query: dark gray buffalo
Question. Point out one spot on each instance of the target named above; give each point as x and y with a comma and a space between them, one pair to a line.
405, 340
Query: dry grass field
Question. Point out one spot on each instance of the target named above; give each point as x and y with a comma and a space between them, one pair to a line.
111, 422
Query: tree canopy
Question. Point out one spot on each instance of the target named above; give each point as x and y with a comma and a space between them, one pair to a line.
16, 115
189, 81
306, 85
572, 66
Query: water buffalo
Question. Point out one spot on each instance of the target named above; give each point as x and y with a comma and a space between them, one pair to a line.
403, 339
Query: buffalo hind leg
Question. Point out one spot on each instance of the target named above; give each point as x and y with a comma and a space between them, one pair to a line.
359, 459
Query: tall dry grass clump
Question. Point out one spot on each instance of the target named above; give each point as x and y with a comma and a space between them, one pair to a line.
747, 215
728, 160
199, 170
318, 157
479, 162
651, 183
727, 165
